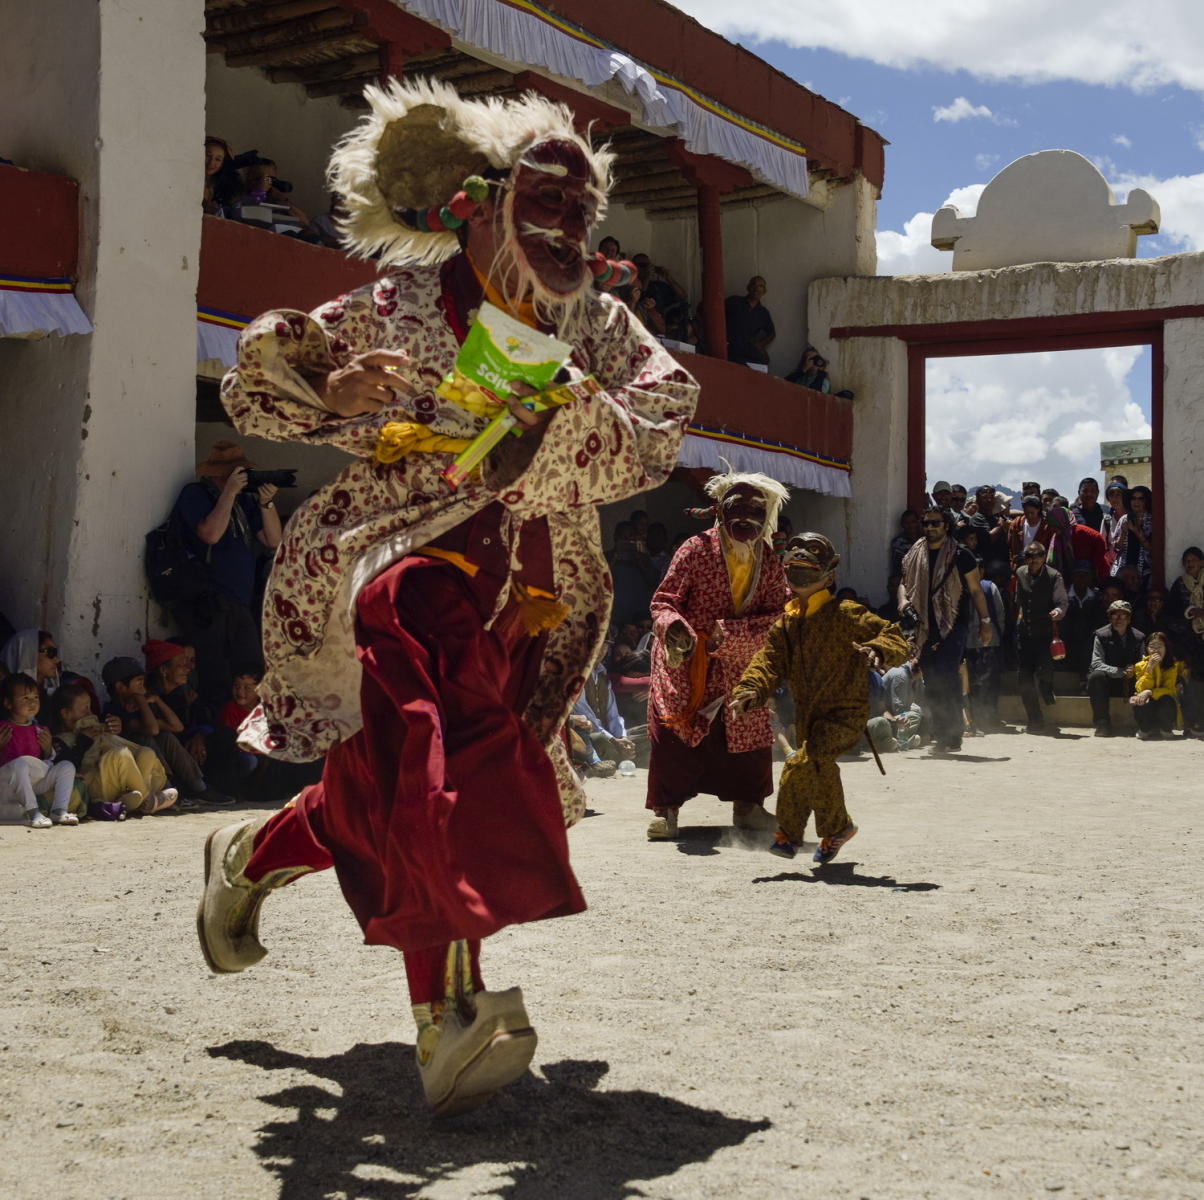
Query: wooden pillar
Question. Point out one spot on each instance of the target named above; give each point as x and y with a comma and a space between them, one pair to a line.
710, 237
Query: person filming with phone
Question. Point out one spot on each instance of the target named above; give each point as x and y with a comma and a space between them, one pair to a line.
227, 517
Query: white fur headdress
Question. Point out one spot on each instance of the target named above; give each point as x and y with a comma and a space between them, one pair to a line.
415, 148
776, 494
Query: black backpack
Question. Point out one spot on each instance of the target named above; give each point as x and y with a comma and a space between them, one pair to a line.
176, 575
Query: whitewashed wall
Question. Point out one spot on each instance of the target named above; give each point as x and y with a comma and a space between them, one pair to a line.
876, 369
96, 425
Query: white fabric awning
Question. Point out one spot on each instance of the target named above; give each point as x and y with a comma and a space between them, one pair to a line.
522, 32
788, 466
35, 308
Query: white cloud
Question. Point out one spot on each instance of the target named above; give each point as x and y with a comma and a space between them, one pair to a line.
962, 110
1181, 199
1031, 416
912, 252
1092, 41
984, 162
1120, 140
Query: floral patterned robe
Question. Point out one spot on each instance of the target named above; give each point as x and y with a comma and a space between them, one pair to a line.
696, 589
597, 450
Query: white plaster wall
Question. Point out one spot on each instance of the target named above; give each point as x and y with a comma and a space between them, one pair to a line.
630, 226
278, 120
48, 122
1183, 438
876, 369
791, 244
137, 430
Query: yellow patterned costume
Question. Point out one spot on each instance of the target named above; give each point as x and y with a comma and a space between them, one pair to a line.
815, 654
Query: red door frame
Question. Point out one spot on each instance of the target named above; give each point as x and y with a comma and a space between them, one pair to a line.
1028, 335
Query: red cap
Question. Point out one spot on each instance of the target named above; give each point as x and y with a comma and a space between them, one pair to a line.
158, 652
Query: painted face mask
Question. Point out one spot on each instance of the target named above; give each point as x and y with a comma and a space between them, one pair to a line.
743, 514
552, 208
809, 558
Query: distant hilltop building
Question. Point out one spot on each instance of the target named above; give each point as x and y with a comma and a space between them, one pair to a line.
1133, 459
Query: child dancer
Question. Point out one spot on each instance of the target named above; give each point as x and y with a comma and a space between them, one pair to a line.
824, 649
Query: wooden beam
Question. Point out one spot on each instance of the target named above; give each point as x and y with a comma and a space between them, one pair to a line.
450, 72
290, 53
637, 181
586, 109
492, 81
388, 23
354, 64
287, 31
343, 85
684, 191
254, 16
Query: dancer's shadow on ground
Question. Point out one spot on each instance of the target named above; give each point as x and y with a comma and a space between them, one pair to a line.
371, 1135
959, 757
845, 875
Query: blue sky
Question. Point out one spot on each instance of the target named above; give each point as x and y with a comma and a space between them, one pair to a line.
960, 90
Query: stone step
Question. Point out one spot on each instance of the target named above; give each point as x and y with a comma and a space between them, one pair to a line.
1071, 712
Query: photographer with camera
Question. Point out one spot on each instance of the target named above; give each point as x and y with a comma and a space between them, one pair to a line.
226, 518
811, 372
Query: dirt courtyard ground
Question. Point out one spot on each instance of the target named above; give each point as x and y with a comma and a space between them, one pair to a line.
995, 991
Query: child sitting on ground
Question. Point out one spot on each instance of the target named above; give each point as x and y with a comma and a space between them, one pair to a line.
821, 647
116, 771
244, 695
26, 750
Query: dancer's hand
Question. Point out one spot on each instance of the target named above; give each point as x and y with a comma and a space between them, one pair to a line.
742, 701
368, 383
513, 455
872, 657
679, 643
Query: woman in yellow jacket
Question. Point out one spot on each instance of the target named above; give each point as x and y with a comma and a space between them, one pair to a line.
1155, 698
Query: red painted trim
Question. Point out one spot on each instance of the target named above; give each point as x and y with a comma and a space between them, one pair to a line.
769, 409
1158, 456
657, 34
710, 238
39, 224
586, 109
1087, 324
706, 170
388, 23
248, 271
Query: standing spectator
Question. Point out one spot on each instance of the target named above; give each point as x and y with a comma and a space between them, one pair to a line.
957, 498
940, 580
26, 754
811, 372
1117, 496
226, 528
659, 554
992, 527
749, 325
984, 664
1117, 650
1030, 526
942, 494
1084, 615
1135, 541
1087, 509
909, 533
1040, 600
1155, 701
635, 578
1048, 498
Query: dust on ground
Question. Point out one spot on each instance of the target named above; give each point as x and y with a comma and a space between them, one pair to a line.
994, 991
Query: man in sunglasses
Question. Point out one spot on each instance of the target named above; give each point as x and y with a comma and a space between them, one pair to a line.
940, 581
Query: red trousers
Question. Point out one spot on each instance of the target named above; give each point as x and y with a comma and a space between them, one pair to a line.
441, 816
